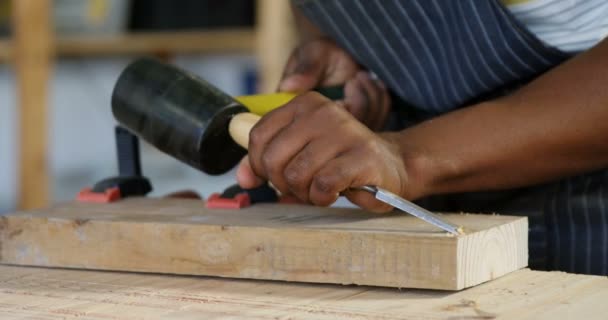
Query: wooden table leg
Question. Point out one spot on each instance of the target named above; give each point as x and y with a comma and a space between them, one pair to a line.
33, 38
276, 37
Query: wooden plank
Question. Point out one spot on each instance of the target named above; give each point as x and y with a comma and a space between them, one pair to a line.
37, 293
33, 38
278, 242
211, 41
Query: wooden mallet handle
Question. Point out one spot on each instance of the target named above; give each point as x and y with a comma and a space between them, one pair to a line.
240, 126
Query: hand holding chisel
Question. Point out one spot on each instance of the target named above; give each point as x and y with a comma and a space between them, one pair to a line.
189, 119
241, 125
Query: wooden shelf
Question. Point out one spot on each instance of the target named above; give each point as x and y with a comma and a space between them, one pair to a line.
231, 40
33, 47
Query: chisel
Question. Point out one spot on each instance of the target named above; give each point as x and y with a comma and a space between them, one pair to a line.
242, 123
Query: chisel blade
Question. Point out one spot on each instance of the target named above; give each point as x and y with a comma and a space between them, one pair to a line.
413, 209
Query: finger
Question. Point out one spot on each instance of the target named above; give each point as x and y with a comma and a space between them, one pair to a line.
317, 63
298, 83
262, 132
301, 169
303, 70
340, 174
302, 59
288, 143
279, 152
355, 99
273, 123
384, 107
245, 176
338, 68
374, 95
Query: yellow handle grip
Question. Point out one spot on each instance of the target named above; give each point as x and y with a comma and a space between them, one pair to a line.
261, 104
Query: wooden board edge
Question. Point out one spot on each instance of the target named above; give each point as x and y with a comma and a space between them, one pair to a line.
489, 254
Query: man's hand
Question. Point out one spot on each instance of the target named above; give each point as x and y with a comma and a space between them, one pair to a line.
315, 149
321, 63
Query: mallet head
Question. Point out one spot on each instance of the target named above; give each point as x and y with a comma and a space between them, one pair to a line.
179, 113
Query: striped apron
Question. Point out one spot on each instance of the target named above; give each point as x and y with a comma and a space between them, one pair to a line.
440, 55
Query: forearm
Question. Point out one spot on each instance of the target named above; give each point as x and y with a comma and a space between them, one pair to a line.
554, 127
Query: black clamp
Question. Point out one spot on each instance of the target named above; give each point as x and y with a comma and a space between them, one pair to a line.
129, 182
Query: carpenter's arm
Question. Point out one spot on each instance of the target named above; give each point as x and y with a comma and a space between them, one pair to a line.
554, 127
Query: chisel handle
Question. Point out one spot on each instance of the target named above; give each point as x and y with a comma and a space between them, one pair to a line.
240, 126
261, 104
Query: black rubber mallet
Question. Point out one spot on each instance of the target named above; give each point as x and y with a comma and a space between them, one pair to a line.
180, 114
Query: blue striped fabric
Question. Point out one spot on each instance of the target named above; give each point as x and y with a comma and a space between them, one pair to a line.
437, 55
440, 55
578, 220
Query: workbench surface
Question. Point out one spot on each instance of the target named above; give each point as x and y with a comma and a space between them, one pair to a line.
38, 293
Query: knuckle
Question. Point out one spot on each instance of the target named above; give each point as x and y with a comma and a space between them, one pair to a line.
295, 173
256, 167
330, 110
295, 180
307, 103
304, 99
323, 199
256, 136
372, 146
270, 163
333, 107
294, 176
269, 160
311, 96
325, 184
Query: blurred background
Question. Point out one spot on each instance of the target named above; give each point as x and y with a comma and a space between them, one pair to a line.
59, 61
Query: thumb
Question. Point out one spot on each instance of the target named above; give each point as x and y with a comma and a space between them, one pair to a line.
303, 72
245, 176
298, 82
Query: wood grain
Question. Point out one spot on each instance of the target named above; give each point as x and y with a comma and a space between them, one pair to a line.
50, 294
240, 126
33, 37
278, 242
